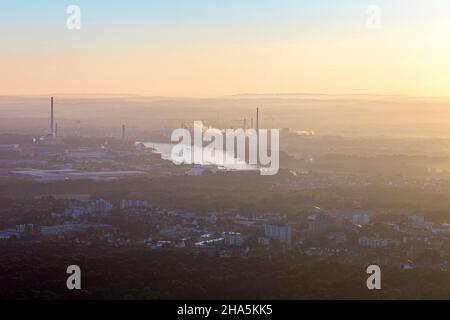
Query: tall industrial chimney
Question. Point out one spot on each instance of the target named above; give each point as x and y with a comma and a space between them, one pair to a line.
257, 119
257, 134
123, 132
52, 129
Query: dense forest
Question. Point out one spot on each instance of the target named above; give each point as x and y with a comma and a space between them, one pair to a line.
30, 271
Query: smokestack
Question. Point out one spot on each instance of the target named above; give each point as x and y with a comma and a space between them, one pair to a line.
56, 130
52, 129
123, 132
257, 134
257, 119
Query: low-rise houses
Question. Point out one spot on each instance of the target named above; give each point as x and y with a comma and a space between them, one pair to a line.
133, 204
78, 209
373, 242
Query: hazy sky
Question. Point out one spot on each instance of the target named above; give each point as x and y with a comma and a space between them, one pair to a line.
217, 47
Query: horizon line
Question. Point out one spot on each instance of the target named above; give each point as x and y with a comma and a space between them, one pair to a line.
219, 96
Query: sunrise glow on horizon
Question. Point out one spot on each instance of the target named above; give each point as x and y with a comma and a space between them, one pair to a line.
201, 47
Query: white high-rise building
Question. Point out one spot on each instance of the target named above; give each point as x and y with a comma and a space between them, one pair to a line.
362, 219
233, 238
281, 233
